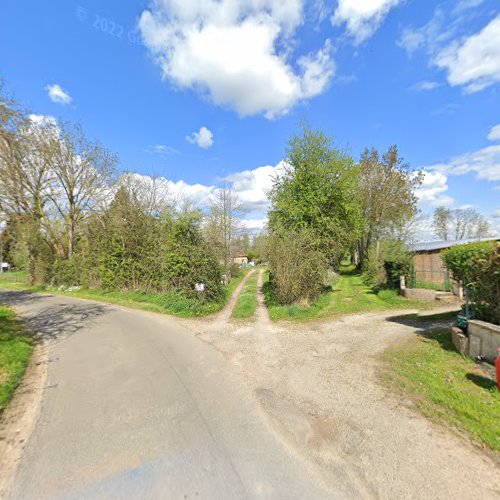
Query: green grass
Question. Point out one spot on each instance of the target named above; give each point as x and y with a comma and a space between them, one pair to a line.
15, 352
430, 285
247, 301
173, 303
349, 295
445, 386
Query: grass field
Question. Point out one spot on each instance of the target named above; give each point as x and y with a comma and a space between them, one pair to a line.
247, 301
15, 352
173, 303
445, 386
349, 295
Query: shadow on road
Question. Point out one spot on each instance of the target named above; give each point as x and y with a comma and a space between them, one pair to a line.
56, 321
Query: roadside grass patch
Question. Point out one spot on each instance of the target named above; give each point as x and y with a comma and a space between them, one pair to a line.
174, 303
445, 386
247, 301
15, 351
348, 295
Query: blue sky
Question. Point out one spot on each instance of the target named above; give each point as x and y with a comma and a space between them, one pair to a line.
196, 91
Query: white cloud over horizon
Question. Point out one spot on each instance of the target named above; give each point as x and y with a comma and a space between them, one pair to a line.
57, 94
237, 53
204, 138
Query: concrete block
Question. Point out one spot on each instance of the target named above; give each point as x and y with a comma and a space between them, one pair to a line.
419, 294
460, 341
484, 339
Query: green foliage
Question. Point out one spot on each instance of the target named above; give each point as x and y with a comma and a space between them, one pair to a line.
477, 265
445, 386
348, 295
298, 266
317, 190
15, 352
387, 197
384, 265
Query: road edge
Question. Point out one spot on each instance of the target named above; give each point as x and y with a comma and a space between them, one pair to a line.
19, 418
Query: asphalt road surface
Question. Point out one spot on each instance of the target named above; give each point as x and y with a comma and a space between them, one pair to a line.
135, 406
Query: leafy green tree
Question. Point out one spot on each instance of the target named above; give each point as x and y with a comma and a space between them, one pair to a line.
317, 189
388, 199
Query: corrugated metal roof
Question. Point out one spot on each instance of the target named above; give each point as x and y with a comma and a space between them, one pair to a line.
427, 246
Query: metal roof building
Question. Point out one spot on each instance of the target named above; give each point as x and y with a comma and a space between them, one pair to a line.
429, 246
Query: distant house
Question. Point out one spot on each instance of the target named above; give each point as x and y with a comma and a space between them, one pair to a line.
241, 259
430, 271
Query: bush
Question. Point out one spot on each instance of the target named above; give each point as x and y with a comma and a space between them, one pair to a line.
477, 265
298, 267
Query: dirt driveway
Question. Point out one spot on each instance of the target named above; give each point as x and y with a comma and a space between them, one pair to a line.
317, 386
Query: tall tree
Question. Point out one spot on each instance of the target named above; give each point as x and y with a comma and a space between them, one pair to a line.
442, 220
317, 189
223, 224
83, 169
387, 196
460, 223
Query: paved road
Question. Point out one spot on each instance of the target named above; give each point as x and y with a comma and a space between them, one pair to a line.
135, 406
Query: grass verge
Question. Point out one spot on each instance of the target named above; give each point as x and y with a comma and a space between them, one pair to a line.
173, 303
349, 295
247, 301
15, 351
446, 387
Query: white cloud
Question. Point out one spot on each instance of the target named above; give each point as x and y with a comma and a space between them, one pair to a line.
236, 52
426, 85
255, 225
485, 163
475, 62
43, 120
57, 94
162, 150
362, 17
429, 37
252, 186
494, 134
432, 190
204, 138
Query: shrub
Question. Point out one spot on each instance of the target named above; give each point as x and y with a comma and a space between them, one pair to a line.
298, 267
477, 265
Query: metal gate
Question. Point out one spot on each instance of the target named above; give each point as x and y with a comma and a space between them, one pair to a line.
433, 280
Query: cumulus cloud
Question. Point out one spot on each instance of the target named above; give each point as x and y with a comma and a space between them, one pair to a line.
362, 17
204, 138
57, 94
432, 190
475, 62
252, 186
494, 134
236, 52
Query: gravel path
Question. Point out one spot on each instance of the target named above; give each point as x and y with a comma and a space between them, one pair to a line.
317, 386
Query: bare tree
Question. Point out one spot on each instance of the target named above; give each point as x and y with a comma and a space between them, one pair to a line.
223, 223
151, 192
460, 223
83, 170
442, 221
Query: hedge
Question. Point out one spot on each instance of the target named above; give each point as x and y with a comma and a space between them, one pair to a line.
477, 265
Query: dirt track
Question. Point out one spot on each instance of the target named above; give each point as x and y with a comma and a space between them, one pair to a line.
317, 386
